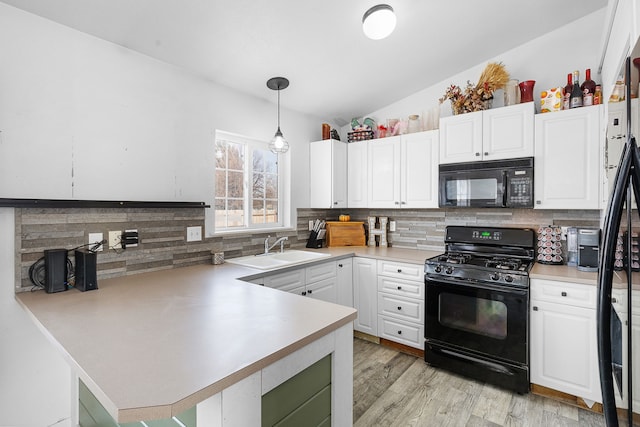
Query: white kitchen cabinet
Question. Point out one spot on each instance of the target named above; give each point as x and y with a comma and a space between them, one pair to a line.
494, 134
461, 138
403, 172
328, 174
344, 282
401, 303
287, 281
357, 178
568, 151
563, 344
317, 281
365, 295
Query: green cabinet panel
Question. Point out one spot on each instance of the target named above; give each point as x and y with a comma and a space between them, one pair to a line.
306, 394
92, 414
314, 412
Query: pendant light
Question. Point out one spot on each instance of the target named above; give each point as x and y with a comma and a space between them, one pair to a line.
379, 22
278, 144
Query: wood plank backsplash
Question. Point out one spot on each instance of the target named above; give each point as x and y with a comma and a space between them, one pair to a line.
163, 243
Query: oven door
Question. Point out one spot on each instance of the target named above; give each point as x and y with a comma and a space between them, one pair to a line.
471, 188
489, 320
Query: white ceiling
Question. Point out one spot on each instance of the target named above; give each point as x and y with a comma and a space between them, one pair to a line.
335, 71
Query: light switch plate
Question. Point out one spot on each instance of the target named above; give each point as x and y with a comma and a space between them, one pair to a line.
392, 226
114, 239
95, 238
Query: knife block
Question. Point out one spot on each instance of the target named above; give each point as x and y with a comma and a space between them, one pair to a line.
314, 242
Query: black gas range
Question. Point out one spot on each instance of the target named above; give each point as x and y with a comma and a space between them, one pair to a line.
477, 304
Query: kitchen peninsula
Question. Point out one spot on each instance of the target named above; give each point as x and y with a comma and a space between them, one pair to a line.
153, 345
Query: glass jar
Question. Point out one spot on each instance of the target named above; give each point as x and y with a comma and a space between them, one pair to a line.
414, 124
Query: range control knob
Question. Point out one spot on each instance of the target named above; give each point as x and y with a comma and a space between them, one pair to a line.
508, 279
438, 268
449, 270
494, 276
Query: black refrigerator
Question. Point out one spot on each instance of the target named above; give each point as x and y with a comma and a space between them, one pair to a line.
615, 326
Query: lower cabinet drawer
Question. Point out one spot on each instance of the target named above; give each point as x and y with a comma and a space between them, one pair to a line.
408, 333
408, 309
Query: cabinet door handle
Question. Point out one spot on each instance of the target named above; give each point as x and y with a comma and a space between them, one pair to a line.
538, 202
335, 203
399, 332
397, 203
563, 293
477, 154
310, 291
399, 270
399, 308
304, 293
614, 300
340, 265
534, 308
403, 203
399, 288
486, 153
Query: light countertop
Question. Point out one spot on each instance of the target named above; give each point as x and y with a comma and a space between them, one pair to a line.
152, 345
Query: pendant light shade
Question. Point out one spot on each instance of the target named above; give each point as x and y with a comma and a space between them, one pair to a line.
278, 144
379, 22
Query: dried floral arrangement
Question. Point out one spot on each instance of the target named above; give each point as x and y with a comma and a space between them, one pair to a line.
477, 97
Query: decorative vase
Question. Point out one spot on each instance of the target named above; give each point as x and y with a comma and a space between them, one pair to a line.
526, 91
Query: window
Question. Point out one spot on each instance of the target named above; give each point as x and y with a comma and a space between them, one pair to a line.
248, 184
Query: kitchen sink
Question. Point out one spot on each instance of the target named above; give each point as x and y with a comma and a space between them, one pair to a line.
277, 259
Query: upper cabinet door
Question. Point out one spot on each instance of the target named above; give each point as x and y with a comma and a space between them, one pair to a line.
357, 174
508, 132
568, 147
461, 138
328, 174
419, 170
384, 172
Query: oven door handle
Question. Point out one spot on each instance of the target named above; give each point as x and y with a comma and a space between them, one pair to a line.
505, 188
486, 286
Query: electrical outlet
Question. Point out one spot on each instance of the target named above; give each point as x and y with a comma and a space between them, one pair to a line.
95, 238
392, 226
194, 234
114, 239
310, 224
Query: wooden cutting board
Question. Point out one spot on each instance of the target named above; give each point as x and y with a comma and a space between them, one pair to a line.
345, 233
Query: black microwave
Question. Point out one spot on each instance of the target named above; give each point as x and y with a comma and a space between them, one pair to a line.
491, 184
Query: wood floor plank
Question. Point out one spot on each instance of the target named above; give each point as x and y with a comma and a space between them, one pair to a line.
395, 389
374, 378
493, 404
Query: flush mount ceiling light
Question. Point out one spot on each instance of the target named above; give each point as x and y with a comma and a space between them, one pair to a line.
379, 21
278, 144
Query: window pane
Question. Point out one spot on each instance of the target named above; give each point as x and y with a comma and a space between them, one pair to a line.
270, 162
236, 184
221, 154
221, 212
258, 185
258, 162
221, 183
257, 215
271, 189
235, 154
271, 211
235, 213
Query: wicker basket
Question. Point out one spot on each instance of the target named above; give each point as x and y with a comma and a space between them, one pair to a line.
360, 135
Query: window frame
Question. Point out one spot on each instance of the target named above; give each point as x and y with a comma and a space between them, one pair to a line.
250, 144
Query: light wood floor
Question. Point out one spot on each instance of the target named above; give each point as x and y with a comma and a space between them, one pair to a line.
395, 389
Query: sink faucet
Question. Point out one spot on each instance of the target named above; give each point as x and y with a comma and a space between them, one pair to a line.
281, 240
